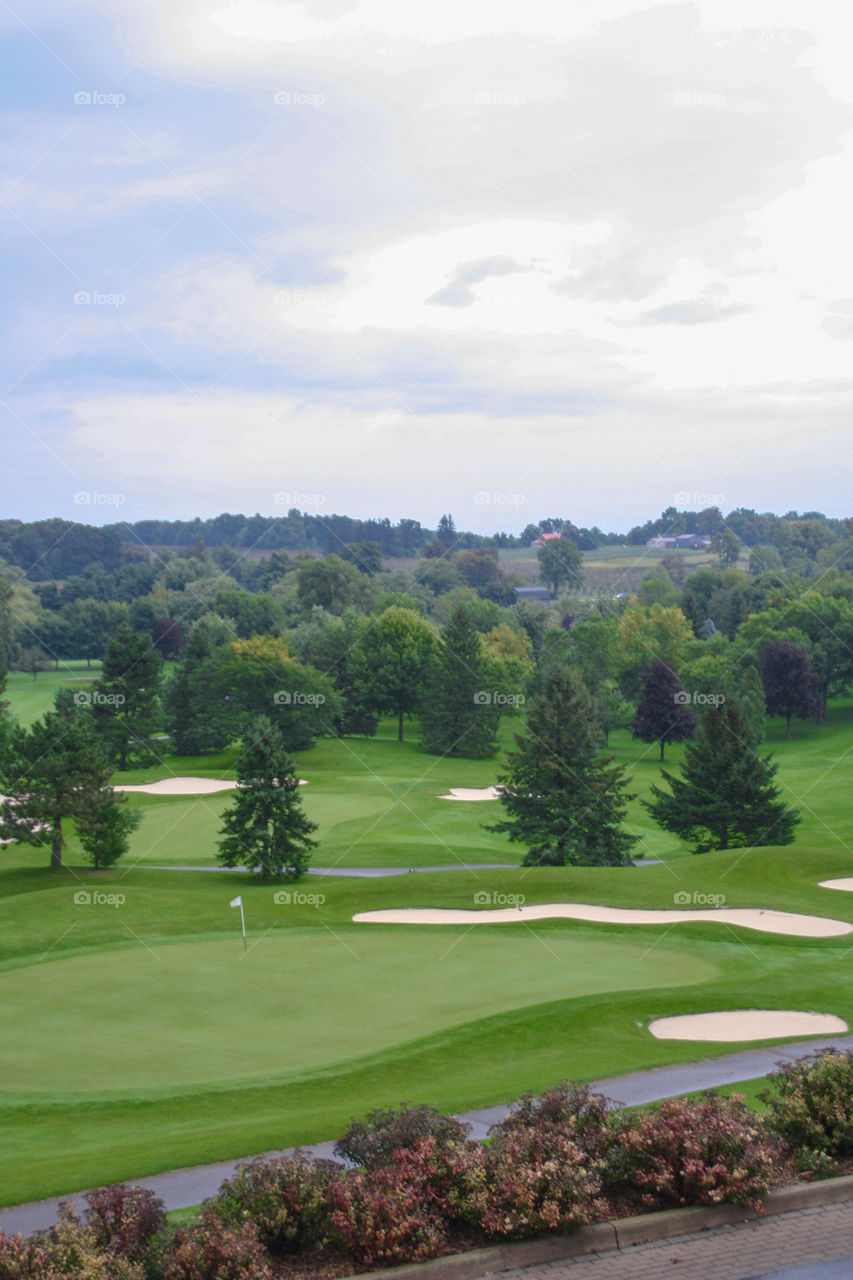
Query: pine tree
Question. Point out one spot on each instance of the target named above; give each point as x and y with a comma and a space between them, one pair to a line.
663, 714
265, 828
565, 802
459, 715
125, 701
198, 712
725, 796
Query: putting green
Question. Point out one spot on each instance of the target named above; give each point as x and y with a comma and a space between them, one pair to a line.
200, 1013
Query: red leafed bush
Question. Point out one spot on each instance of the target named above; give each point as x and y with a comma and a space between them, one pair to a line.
570, 1110
373, 1141
538, 1179
286, 1199
404, 1210
69, 1251
811, 1105
212, 1249
688, 1152
123, 1220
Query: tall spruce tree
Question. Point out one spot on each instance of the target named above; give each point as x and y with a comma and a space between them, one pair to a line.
563, 800
663, 714
265, 828
460, 711
725, 796
125, 701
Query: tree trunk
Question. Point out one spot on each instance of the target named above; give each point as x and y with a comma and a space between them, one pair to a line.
788, 725
400, 728
661, 749
56, 846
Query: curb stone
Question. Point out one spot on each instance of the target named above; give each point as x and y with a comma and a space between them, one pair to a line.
619, 1235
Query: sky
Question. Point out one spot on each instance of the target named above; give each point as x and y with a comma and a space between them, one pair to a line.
496, 259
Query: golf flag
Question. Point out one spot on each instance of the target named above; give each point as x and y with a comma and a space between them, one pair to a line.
238, 902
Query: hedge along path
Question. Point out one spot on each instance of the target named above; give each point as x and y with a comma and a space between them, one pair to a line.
796, 926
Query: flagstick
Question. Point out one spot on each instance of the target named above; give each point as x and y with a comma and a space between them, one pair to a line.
243, 922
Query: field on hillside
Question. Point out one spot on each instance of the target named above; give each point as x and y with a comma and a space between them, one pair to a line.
145, 1038
606, 570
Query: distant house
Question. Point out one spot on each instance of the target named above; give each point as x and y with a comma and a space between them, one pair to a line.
533, 593
545, 537
659, 540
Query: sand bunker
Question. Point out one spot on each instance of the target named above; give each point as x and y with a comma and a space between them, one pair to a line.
746, 1024
845, 883
186, 786
472, 793
750, 918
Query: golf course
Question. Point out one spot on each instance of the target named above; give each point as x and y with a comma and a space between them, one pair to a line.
143, 1035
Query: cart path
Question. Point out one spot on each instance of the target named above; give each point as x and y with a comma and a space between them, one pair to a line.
179, 1188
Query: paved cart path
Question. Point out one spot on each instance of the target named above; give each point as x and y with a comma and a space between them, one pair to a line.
179, 1188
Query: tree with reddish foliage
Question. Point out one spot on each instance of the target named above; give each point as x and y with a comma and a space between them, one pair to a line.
167, 637
790, 681
664, 714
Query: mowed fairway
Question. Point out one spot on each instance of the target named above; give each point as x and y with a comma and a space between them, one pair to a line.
183, 1014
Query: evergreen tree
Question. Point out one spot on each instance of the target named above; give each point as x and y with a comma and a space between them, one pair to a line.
725, 796
748, 691
564, 801
199, 714
265, 828
459, 713
125, 701
58, 769
663, 714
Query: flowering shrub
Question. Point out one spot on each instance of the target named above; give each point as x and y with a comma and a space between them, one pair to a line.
695, 1153
569, 1109
405, 1210
69, 1251
286, 1199
212, 1249
372, 1141
538, 1179
123, 1220
811, 1106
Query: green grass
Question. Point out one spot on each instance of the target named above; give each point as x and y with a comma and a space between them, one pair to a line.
30, 699
139, 1038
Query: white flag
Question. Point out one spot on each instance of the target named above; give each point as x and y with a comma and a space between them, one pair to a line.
237, 902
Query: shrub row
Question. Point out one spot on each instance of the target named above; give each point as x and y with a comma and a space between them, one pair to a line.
414, 1185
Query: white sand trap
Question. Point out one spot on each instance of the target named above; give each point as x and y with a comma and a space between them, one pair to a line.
845, 883
746, 1024
748, 917
472, 793
187, 786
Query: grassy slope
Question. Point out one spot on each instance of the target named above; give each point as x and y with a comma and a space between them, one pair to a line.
503, 1010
